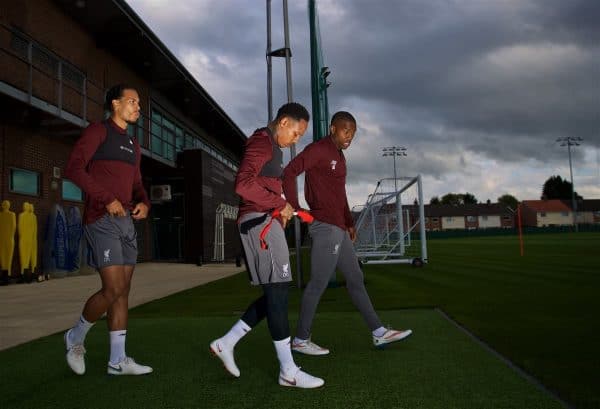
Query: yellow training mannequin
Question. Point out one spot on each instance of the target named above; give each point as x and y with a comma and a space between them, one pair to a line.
27, 229
8, 226
34, 241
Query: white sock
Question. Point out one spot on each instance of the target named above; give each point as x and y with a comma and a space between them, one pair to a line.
236, 333
380, 331
284, 354
76, 335
299, 340
117, 346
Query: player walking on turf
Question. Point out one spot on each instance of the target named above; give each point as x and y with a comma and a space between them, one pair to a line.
105, 164
332, 232
258, 183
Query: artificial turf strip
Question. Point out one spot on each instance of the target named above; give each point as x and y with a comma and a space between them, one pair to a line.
540, 310
438, 367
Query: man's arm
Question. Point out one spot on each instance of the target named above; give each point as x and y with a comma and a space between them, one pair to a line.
349, 221
83, 151
297, 166
258, 152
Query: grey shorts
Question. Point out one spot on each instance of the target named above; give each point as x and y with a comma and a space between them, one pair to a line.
271, 265
112, 241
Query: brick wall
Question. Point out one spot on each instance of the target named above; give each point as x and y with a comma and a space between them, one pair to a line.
32, 150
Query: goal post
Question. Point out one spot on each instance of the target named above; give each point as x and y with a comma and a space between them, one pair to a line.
391, 224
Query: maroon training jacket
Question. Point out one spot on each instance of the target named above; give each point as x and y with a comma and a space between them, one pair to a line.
324, 166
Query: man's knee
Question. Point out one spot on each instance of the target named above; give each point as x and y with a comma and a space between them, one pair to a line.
112, 293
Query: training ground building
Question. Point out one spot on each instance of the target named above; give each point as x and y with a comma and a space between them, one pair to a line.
57, 60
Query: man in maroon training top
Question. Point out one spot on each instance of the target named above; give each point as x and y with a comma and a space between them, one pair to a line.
258, 183
105, 164
332, 232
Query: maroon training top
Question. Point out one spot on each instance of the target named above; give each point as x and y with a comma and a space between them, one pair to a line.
324, 182
258, 180
105, 164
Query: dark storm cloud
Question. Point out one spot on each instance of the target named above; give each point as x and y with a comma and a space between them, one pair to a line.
458, 82
446, 60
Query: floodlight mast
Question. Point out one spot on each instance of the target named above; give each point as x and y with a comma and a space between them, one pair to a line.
394, 151
569, 141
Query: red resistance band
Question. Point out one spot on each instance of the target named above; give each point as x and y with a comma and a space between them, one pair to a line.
305, 216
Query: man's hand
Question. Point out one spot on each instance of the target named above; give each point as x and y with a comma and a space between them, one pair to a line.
140, 211
352, 233
286, 214
115, 208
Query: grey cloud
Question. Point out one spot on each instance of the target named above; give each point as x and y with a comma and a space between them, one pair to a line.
449, 79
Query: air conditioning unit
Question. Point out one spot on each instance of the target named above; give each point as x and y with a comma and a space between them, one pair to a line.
159, 193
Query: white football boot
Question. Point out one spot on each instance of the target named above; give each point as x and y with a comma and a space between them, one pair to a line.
309, 348
300, 379
391, 335
225, 354
75, 355
128, 366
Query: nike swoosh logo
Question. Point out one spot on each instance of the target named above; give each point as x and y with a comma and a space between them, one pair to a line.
116, 368
219, 348
293, 383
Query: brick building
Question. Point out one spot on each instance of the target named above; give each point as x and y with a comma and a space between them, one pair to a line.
57, 60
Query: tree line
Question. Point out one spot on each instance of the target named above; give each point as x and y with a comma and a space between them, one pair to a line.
555, 187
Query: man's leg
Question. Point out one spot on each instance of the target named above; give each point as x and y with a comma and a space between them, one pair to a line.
113, 284
276, 295
117, 318
223, 347
348, 265
323, 259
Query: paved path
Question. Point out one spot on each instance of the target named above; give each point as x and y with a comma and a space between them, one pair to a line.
31, 311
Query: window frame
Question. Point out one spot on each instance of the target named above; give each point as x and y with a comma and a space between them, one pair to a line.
11, 187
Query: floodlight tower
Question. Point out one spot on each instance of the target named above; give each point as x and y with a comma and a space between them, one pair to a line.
569, 141
394, 151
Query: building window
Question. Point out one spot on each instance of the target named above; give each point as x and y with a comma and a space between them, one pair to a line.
72, 76
449, 219
542, 214
472, 219
168, 138
435, 220
20, 45
70, 191
45, 61
24, 181
163, 136
564, 214
506, 217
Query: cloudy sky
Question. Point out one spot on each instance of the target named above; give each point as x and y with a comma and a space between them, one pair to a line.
477, 91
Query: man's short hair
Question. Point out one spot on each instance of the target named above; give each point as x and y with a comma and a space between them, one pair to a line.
114, 92
293, 110
342, 116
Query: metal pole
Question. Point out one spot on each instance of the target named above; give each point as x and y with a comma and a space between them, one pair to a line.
288, 59
269, 65
422, 221
395, 177
573, 191
288, 75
